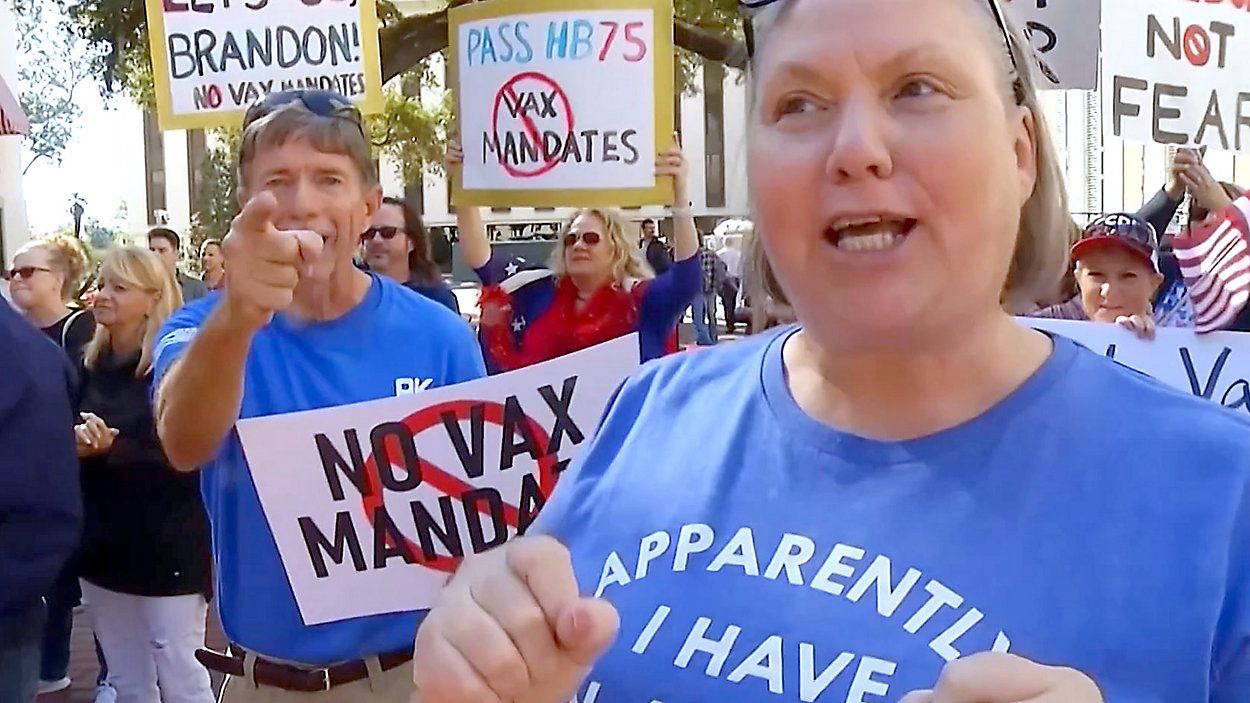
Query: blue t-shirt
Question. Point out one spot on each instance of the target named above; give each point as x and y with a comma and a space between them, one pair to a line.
1092, 519
440, 293
395, 341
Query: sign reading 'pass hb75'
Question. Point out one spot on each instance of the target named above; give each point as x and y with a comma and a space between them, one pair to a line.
563, 102
211, 59
373, 505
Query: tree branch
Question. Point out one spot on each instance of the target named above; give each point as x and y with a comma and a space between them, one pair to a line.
711, 45
32, 161
408, 42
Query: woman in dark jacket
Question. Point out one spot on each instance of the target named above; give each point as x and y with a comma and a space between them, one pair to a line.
145, 560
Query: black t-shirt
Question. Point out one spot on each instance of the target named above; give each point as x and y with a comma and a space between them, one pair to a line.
72, 333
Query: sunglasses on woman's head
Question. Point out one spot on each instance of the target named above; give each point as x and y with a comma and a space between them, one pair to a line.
591, 238
387, 232
322, 103
23, 272
749, 8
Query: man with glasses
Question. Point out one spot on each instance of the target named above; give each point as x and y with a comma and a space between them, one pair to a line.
298, 327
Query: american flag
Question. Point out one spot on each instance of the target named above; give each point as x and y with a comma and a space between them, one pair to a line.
1214, 256
12, 119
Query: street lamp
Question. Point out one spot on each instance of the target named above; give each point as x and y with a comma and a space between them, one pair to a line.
76, 211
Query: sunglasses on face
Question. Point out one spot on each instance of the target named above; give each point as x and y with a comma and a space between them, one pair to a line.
23, 272
322, 103
751, 8
591, 238
388, 233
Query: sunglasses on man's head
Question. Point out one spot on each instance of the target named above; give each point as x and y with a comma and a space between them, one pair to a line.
323, 103
23, 272
387, 232
591, 238
750, 8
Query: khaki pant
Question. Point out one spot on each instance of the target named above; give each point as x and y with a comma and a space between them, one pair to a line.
393, 686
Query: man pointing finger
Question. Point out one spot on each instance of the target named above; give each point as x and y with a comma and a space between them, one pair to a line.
297, 327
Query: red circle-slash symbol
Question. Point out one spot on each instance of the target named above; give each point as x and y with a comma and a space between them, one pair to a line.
439, 479
508, 91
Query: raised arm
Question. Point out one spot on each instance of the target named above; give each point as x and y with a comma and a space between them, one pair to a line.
199, 397
474, 244
1162, 207
672, 162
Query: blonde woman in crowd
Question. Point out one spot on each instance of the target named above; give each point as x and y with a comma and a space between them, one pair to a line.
145, 562
596, 287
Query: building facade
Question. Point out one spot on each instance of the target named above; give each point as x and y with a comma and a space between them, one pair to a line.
13, 229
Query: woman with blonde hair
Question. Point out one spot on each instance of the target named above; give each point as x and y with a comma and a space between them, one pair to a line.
145, 554
907, 495
597, 286
43, 281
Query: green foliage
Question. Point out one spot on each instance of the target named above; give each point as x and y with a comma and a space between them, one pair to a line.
216, 201
53, 62
411, 130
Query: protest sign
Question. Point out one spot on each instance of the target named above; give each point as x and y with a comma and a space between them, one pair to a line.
562, 102
211, 59
1212, 366
1174, 72
373, 505
1064, 35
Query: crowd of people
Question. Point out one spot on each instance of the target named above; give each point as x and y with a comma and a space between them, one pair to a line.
889, 417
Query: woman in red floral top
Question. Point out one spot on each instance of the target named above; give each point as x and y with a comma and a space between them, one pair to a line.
596, 287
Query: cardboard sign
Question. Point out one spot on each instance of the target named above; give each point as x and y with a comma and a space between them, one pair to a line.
211, 59
1064, 35
562, 102
373, 505
1212, 366
1175, 72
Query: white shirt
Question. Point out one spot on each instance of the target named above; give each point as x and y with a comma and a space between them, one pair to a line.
733, 261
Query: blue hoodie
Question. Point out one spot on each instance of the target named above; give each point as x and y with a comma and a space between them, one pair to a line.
40, 499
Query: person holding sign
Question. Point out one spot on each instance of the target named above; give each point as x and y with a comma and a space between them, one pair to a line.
298, 327
908, 495
597, 285
1117, 274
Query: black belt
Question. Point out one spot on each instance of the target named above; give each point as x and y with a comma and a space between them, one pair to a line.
294, 678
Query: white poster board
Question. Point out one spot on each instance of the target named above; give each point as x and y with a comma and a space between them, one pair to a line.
1214, 366
562, 102
211, 60
1175, 72
464, 468
1065, 37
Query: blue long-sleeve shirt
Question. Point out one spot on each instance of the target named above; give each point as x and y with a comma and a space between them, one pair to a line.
40, 497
